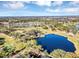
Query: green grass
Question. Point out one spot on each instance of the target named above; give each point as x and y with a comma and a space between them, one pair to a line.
13, 42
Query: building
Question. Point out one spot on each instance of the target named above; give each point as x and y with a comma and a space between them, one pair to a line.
4, 24
25, 24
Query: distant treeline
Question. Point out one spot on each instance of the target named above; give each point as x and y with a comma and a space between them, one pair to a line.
40, 18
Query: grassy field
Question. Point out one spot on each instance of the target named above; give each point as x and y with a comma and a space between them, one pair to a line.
13, 42
70, 36
29, 44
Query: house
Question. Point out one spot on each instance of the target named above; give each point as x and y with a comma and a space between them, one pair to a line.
77, 26
4, 24
25, 24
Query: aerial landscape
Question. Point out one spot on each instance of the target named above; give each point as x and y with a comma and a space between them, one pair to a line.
39, 29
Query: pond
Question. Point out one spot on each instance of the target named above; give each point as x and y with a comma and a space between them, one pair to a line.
53, 41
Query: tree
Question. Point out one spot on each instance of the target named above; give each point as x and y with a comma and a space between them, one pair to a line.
8, 49
44, 27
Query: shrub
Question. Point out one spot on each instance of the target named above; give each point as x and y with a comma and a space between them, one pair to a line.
45, 27
58, 53
8, 49
2, 54
70, 55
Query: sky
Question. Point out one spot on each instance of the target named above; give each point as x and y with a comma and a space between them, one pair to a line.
39, 8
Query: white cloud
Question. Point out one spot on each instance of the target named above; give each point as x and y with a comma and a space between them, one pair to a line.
27, 1
47, 3
71, 10
14, 5
43, 3
52, 10
75, 2
57, 3
64, 10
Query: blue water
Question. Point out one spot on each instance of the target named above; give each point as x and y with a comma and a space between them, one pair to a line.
52, 41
